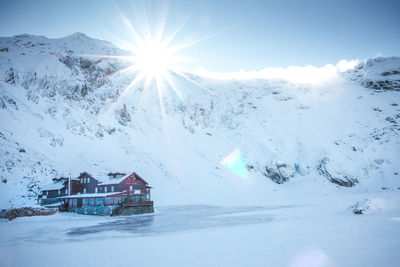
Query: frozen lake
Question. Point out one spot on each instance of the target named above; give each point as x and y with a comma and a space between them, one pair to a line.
206, 235
180, 218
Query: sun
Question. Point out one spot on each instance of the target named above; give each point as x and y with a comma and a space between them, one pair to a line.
154, 58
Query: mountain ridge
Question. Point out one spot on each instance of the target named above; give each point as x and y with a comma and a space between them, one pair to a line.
64, 111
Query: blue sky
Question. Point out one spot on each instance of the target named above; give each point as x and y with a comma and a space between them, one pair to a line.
237, 35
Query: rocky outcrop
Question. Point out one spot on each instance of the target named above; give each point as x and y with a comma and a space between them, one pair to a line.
339, 178
377, 73
11, 214
382, 84
123, 116
279, 172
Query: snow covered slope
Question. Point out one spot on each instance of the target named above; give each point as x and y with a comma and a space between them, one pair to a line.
378, 73
63, 112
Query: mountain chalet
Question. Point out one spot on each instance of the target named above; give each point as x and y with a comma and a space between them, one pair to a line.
116, 194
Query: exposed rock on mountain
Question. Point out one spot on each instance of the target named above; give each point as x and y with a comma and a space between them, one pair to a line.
337, 178
279, 172
378, 73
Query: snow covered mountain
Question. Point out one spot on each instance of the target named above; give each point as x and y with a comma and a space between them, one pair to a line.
64, 111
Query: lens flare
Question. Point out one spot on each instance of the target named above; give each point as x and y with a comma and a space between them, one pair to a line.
235, 164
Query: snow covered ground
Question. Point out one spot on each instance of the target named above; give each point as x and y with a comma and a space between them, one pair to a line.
307, 232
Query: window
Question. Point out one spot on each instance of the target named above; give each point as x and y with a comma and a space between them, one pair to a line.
105, 189
136, 192
85, 202
84, 190
109, 200
59, 192
91, 201
117, 200
66, 191
70, 203
95, 190
130, 188
75, 202
88, 179
99, 201
112, 188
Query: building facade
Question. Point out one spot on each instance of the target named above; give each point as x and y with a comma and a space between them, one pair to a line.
115, 194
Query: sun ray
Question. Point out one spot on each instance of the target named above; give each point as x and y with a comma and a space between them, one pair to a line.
160, 96
121, 42
163, 21
189, 43
128, 24
127, 89
124, 70
177, 30
173, 86
181, 74
122, 58
153, 57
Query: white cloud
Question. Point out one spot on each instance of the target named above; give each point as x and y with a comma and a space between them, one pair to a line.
344, 64
296, 74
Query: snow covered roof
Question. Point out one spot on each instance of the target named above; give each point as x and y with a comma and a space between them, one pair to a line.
102, 177
111, 178
93, 195
53, 186
109, 181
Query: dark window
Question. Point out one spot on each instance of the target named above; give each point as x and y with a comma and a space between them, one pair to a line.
117, 200
109, 201
99, 201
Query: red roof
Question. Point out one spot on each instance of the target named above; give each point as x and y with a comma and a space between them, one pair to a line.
137, 176
133, 175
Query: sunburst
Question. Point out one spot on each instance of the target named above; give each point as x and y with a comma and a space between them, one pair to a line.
155, 58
